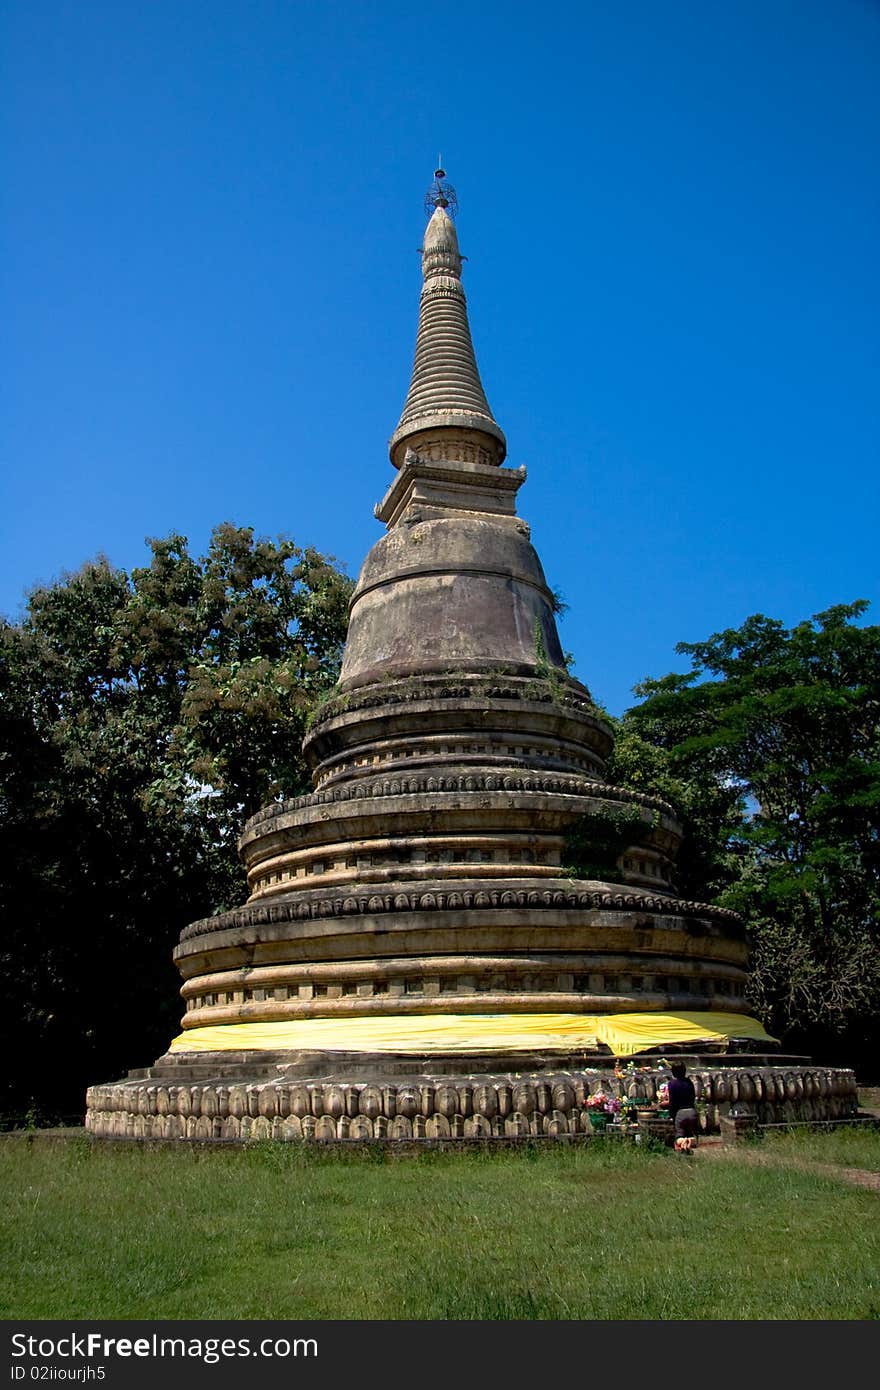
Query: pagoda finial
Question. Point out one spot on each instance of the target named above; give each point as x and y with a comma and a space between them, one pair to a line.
445, 390
441, 194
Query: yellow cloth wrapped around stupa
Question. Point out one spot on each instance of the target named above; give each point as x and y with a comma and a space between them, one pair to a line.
624, 1034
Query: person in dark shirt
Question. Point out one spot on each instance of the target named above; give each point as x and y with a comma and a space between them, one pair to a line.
683, 1105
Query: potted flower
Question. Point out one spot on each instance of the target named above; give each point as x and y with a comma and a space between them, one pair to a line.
601, 1108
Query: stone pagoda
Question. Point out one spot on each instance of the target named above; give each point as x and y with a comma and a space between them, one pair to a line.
463, 924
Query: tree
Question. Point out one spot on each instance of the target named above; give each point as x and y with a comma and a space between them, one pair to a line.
774, 739
142, 719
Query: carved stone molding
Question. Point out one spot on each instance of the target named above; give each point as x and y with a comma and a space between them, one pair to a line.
439, 1107
547, 899
432, 783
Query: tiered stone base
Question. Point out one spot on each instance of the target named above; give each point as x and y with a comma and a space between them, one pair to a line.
390, 1099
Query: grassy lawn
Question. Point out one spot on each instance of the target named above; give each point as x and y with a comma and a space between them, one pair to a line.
597, 1231
845, 1148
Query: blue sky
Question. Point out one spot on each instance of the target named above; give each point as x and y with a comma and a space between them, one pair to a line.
210, 218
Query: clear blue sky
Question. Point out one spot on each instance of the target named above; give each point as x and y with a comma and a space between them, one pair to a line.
209, 227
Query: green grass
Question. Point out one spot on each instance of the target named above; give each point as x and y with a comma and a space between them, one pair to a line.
596, 1231
855, 1147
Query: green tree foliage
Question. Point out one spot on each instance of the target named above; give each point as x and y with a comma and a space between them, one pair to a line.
142, 719
770, 745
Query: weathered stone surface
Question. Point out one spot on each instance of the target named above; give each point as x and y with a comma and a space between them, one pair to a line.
295, 1102
477, 1127
434, 1110
445, 386
446, 1100
370, 1102
334, 1101
562, 1096
524, 1099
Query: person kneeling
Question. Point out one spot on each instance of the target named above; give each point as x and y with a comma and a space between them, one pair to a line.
683, 1109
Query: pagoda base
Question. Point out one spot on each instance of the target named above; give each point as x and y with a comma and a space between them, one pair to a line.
250, 1096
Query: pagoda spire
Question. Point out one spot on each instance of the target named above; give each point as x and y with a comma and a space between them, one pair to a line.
445, 391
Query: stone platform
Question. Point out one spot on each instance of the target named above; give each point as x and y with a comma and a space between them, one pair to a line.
382, 1097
